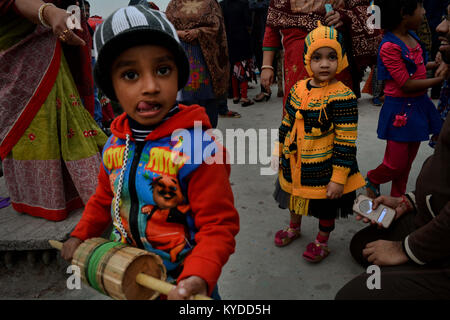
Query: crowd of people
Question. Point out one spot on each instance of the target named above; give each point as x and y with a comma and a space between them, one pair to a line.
89, 109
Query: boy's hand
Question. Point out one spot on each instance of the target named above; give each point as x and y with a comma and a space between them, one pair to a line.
187, 288
69, 248
334, 190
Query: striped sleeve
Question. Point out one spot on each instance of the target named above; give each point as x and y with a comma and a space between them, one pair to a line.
288, 120
345, 120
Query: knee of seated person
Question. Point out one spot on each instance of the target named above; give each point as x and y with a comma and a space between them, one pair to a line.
355, 289
358, 243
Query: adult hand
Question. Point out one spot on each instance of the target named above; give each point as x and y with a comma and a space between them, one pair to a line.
395, 203
442, 71
57, 19
438, 58
187, 288
69, 248
385, 253
333, 18
181, 34
334, 190
267, 79
190, 35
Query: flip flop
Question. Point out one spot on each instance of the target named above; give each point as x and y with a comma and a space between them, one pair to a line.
230, 114
4, 202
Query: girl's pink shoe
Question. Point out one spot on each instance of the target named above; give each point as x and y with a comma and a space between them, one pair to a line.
316, 252
286, 236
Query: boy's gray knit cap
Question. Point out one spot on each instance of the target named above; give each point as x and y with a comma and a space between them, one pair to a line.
129, 27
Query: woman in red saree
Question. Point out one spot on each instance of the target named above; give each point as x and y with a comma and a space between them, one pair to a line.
49, 142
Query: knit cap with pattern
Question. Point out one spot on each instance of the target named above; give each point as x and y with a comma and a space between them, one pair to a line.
130, 27
322, 37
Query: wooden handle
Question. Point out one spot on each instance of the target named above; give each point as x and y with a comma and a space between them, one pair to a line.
56, 244
161, 286
143, 279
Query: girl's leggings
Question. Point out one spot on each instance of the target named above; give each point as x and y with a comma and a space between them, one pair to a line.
398, 158
326, 225
244, 88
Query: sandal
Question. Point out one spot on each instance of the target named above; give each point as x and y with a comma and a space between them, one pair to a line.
230, 114
262, 96
372, 190
247, 103
236, 100
316, 252
286, 236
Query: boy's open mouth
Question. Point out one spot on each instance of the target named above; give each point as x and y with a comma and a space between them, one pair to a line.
148, 108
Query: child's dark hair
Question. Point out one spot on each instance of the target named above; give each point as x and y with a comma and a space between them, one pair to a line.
393, 10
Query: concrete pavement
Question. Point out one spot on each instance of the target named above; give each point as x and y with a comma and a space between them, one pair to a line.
257, 270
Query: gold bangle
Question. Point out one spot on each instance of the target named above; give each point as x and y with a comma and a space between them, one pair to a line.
267, 67
41, 16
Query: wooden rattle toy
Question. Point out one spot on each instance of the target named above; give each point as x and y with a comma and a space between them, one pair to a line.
121, 271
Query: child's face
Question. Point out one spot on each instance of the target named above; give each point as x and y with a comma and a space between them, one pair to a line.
145, 80
324, 64
414, 21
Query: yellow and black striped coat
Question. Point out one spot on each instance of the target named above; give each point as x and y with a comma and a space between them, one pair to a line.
318, 140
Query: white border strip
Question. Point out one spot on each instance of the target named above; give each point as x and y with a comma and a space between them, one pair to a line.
427, 200
410, 254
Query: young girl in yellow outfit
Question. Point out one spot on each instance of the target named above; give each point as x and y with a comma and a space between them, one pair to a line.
318, 172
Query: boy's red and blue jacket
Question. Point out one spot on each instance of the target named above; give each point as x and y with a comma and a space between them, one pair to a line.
175, 199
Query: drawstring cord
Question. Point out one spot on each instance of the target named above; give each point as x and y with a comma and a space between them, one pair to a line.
118, 220
325, 84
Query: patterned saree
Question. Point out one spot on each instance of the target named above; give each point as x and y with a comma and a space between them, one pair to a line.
49, 143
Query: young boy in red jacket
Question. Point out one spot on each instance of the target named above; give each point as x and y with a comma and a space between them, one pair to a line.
158, 186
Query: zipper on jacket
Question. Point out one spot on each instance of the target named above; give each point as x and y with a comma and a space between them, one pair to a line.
134, 210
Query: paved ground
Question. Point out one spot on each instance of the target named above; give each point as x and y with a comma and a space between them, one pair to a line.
258, 269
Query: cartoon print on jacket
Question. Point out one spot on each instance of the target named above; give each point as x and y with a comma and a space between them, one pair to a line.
153, 206
166, 222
